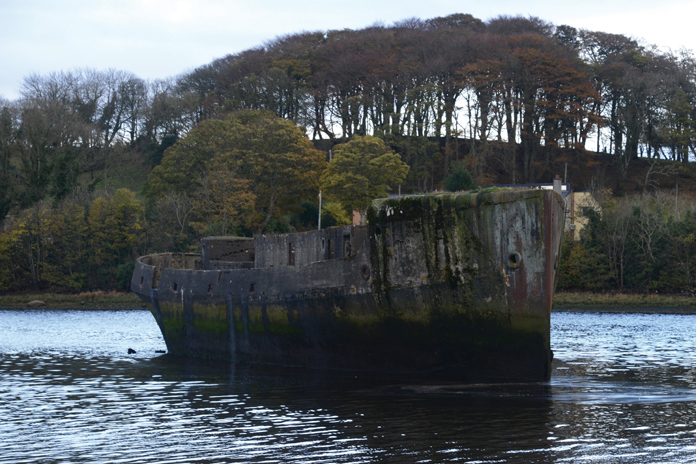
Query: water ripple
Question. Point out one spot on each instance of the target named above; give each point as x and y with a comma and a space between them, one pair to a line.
623, 390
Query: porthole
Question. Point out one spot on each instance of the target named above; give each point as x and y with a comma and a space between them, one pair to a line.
514, 260
365, 272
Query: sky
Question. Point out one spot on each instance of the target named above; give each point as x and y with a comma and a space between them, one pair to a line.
155, 39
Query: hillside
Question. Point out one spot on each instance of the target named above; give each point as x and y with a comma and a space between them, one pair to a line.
511, 99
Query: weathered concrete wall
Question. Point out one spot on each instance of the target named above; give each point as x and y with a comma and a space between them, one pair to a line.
173, 260
227, 249
489, 257
300, 249
499, 237
149, 268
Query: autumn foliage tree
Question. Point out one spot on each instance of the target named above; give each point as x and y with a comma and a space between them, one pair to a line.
535, 82
252, 165
78, 244
361, 170
115, 226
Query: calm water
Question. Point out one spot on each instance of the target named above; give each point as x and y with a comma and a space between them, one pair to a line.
623, 390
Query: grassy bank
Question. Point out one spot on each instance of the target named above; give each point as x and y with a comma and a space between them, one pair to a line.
624, 303
86, 300
622, 299
561, 301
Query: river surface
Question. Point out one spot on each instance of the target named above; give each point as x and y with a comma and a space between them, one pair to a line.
623, 390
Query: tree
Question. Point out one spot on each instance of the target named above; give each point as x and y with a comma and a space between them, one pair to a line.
266, 158
223, 200
361, 170
49, 159
168, 223
28, 239
8, 145
459, 179
115, 230
66, 264
334, 214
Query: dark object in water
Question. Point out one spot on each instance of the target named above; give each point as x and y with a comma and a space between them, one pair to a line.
131, 351
455, 286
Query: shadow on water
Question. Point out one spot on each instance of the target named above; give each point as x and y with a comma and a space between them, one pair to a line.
390, 416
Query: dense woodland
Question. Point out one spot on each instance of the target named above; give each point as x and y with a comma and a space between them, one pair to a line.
91, 161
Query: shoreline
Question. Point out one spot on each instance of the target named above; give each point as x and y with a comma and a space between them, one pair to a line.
622, 301
628, 303
88, 301
562, 302
615, 309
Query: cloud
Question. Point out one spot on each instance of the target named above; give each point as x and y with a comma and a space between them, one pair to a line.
160, 38
666, 25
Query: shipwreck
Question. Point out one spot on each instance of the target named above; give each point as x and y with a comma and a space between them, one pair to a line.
452, 286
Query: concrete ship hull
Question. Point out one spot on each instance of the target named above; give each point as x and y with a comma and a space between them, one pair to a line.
451, 286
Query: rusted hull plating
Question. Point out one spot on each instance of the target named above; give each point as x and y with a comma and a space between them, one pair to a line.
449, 286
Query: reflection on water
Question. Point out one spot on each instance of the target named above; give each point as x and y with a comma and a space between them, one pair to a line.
623, 390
